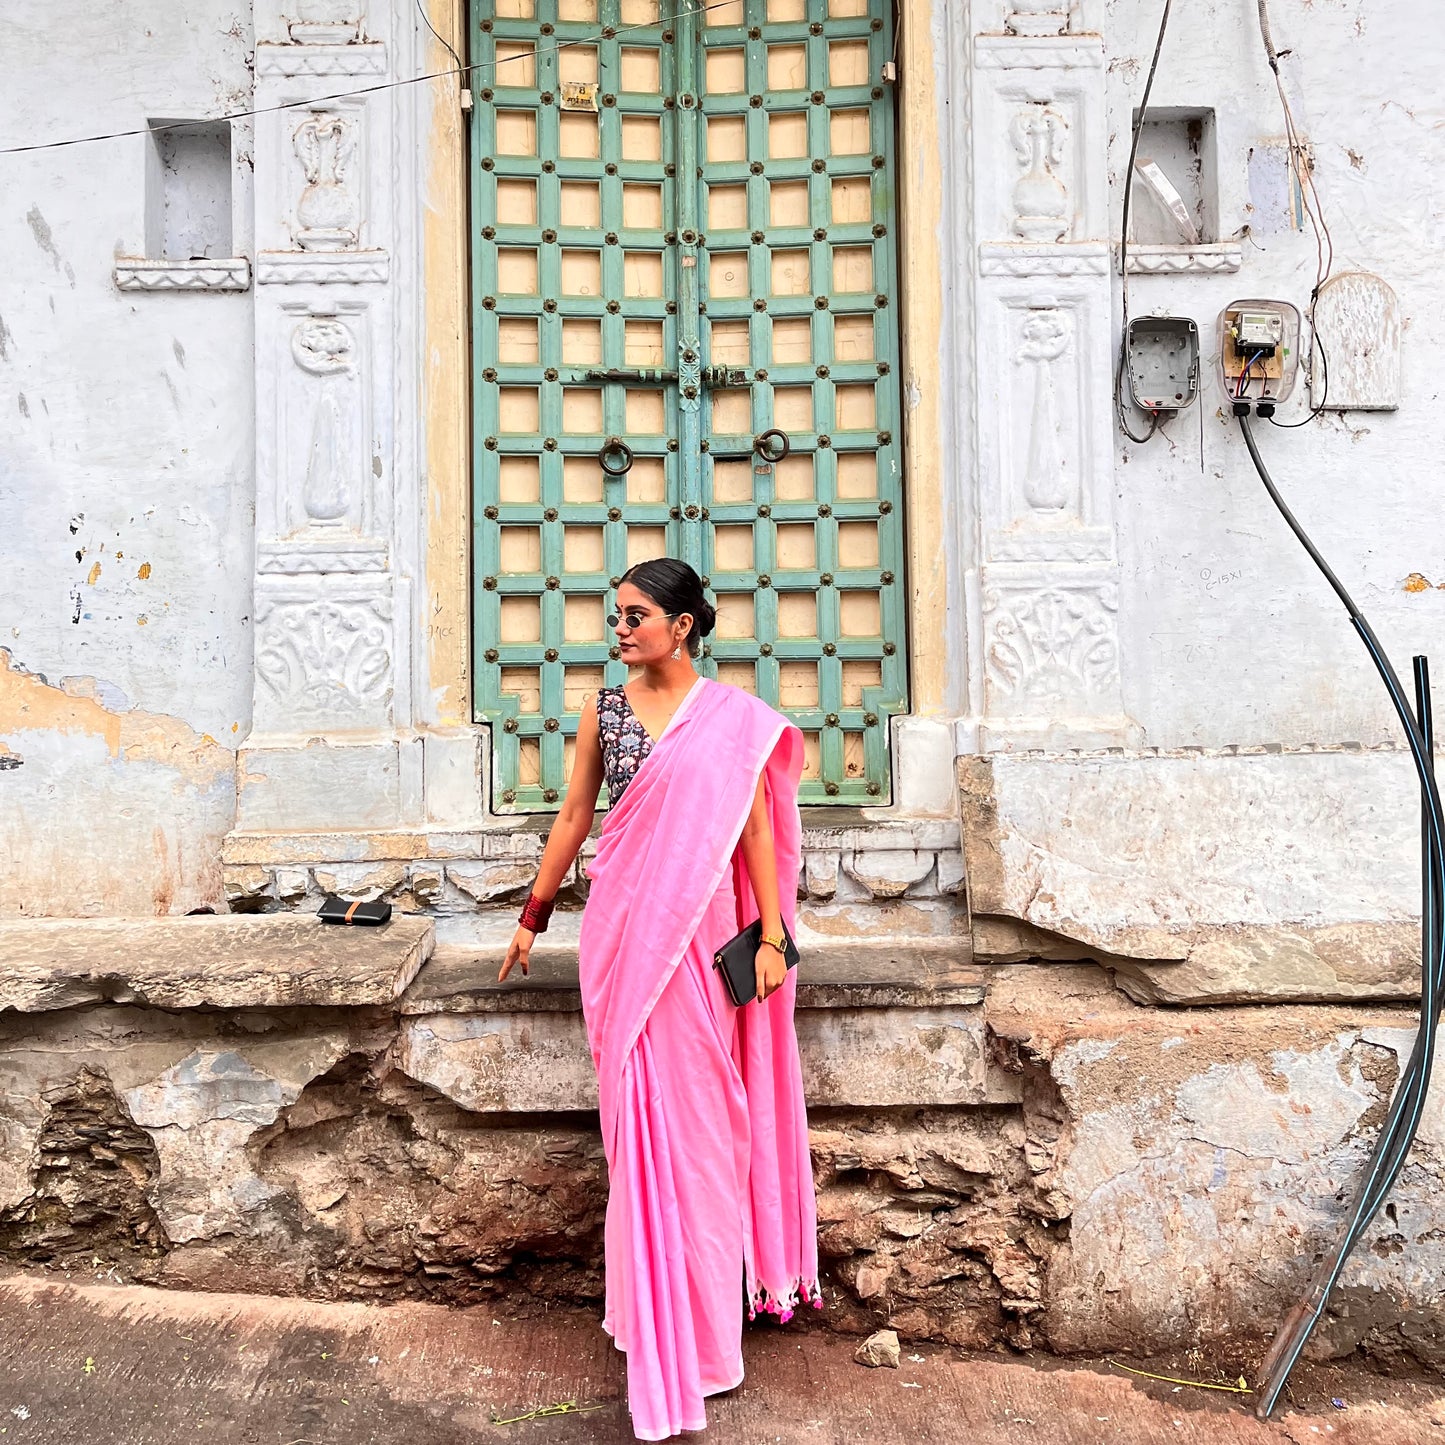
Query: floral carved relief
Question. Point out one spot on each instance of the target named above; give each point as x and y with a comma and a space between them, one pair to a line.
323, 346
1040, 198
1056, 646
328, 212
323, 657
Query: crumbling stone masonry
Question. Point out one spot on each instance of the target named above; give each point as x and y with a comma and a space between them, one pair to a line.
1015, 1156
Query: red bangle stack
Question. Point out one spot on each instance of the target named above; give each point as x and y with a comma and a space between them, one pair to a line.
535, 913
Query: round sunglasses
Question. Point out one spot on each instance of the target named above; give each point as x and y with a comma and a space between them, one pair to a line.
634, 620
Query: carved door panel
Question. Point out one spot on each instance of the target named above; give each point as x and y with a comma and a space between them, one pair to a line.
684, 240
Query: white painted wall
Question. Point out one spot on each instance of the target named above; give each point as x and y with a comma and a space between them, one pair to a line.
126, 489
129, 418
1229, 634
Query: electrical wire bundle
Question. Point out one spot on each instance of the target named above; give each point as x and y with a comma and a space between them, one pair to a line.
1241, 386
1302, 166
1397, 1133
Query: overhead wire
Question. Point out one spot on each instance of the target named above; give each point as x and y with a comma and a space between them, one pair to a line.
467, 70
441, 39
1119, 406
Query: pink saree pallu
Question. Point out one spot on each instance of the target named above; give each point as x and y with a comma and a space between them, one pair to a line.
711, 1184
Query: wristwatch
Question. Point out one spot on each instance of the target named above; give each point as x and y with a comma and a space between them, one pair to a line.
777, 942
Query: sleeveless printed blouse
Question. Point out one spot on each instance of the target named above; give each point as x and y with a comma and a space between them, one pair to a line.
625, 742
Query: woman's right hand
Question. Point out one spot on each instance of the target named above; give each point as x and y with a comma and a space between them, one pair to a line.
518, 951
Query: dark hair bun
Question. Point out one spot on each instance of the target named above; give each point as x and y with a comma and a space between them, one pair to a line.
677, 589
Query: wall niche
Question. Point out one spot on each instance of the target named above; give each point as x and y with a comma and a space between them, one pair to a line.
189, 241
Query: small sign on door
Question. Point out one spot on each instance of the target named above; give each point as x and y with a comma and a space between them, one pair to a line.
579, 95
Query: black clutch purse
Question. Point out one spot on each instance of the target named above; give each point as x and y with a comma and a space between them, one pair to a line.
335, 909
738, 961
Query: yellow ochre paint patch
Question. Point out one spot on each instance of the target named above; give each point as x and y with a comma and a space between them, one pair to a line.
30, 704
1418, 582
94, 573
145, 571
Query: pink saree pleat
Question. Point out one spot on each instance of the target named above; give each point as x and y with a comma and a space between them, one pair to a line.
676, 1205
702, 1110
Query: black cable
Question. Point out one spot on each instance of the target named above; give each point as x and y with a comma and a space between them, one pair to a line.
1393, 1143
1124, 240
1397, 1134
1395, 1138
426, 20
1432, 923
1315, 343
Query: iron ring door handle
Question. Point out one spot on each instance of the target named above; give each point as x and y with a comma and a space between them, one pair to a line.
615, 447
772, 445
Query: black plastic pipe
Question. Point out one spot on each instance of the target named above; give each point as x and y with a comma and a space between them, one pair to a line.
1397, 1134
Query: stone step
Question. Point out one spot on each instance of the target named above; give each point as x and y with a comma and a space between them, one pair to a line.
877, 1027
235, 961
901, 973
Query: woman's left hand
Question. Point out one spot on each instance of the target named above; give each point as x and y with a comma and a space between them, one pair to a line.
772, 970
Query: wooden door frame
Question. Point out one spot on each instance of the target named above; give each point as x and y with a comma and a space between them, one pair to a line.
937, 646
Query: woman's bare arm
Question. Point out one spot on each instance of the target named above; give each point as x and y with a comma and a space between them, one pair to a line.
568, 833
760, 856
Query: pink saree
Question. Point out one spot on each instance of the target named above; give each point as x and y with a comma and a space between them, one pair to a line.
703, 1123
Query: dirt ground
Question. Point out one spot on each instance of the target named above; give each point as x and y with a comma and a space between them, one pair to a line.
98, 1364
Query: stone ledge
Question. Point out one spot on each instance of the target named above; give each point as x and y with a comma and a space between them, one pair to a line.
523, 836
1205, 879
235, 962
917, 973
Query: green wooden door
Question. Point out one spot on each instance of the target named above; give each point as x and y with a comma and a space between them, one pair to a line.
684, 240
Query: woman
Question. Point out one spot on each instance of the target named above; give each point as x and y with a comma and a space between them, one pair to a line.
711, 1188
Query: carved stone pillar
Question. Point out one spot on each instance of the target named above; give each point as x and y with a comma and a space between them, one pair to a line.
338, 743
1043, 581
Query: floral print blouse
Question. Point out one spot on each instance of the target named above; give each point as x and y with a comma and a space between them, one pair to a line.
625, 742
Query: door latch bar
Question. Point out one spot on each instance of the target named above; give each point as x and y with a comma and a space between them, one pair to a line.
770, 446
713, 376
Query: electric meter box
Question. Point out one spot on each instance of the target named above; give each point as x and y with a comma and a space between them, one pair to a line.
1259, 331
1162, 360
1259, 349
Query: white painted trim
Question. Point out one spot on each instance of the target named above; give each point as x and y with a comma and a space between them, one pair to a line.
138, 273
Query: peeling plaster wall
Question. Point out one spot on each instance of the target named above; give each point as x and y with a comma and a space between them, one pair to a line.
126, 487
1229, 635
